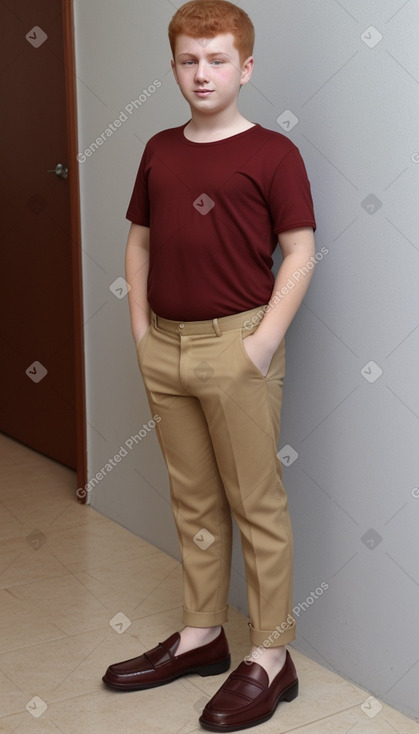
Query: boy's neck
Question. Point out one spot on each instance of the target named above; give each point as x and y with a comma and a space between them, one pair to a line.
207, 129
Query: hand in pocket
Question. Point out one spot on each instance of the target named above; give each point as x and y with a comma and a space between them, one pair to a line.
260, 357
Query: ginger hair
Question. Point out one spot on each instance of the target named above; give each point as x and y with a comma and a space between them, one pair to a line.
208, 18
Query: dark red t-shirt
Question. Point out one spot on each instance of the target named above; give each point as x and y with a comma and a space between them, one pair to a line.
214, 212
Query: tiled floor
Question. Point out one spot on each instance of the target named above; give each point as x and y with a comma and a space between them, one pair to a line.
65, 573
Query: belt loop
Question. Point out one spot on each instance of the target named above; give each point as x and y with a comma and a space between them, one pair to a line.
154, 318
216, 327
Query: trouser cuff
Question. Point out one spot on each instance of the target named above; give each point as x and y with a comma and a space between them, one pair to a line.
281, 635
205, 619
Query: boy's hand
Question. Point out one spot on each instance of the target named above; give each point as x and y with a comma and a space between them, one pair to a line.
139, 333
260, 354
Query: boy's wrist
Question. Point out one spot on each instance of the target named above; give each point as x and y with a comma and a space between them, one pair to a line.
139, 330
267, 341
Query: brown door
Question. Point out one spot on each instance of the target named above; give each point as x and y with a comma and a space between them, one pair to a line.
40, 291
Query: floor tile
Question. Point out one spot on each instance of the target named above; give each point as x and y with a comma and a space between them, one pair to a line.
63, 601
27, 560
148, 584
25, 627
94, 545
355, 721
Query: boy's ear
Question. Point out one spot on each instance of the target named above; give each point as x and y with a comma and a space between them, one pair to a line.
247, 70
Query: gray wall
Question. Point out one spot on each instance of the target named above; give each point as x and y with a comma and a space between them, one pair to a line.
351, 400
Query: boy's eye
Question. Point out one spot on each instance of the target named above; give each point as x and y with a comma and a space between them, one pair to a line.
190, 62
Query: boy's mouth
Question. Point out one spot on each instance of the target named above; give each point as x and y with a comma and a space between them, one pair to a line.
203, 92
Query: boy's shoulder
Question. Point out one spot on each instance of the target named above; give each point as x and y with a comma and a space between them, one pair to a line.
167, 135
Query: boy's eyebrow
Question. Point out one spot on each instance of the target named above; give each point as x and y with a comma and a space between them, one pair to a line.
213, 53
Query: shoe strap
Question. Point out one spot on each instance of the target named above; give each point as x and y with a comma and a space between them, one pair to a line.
159, 655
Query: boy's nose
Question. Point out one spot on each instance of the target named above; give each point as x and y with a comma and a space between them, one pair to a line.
202, 71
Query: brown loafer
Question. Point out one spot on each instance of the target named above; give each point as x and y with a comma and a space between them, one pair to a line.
161, 665
247, 699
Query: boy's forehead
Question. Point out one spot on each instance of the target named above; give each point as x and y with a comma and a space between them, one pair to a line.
221, 43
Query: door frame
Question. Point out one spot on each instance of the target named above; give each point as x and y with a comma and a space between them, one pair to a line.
75, 234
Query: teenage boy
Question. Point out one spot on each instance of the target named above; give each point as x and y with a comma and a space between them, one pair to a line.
211, 200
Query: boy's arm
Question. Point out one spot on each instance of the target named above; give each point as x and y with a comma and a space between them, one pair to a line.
298, 248
136, 270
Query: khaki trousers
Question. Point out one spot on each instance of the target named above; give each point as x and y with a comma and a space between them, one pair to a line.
218, 432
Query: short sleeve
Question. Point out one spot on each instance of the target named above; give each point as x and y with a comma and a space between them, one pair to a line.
139, 206
290, 199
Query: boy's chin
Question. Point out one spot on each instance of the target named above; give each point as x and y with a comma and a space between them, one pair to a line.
202, 105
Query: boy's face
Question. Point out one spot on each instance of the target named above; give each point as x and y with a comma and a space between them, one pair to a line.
209, 73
